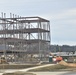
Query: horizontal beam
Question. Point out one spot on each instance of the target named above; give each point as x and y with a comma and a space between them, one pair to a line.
13, 41
17, 31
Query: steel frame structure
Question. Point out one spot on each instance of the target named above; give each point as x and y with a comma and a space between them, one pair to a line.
24, 35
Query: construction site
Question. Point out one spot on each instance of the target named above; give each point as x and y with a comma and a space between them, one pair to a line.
24, 39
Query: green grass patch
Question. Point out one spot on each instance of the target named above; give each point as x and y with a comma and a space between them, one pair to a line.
19, 73
15, 66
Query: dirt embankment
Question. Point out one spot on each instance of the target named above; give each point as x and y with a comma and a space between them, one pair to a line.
67, 64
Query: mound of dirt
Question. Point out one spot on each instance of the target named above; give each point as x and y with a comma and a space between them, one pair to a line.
63, 63
67, 64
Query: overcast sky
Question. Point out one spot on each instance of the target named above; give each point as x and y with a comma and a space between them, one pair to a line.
61, 13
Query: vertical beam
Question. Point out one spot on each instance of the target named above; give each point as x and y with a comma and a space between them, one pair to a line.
4, 35
48, 35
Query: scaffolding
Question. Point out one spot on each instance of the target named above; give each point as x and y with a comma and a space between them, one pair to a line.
24, 37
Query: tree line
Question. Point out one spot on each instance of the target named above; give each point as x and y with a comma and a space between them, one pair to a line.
63, 48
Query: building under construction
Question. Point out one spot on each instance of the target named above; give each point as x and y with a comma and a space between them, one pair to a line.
24, 38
